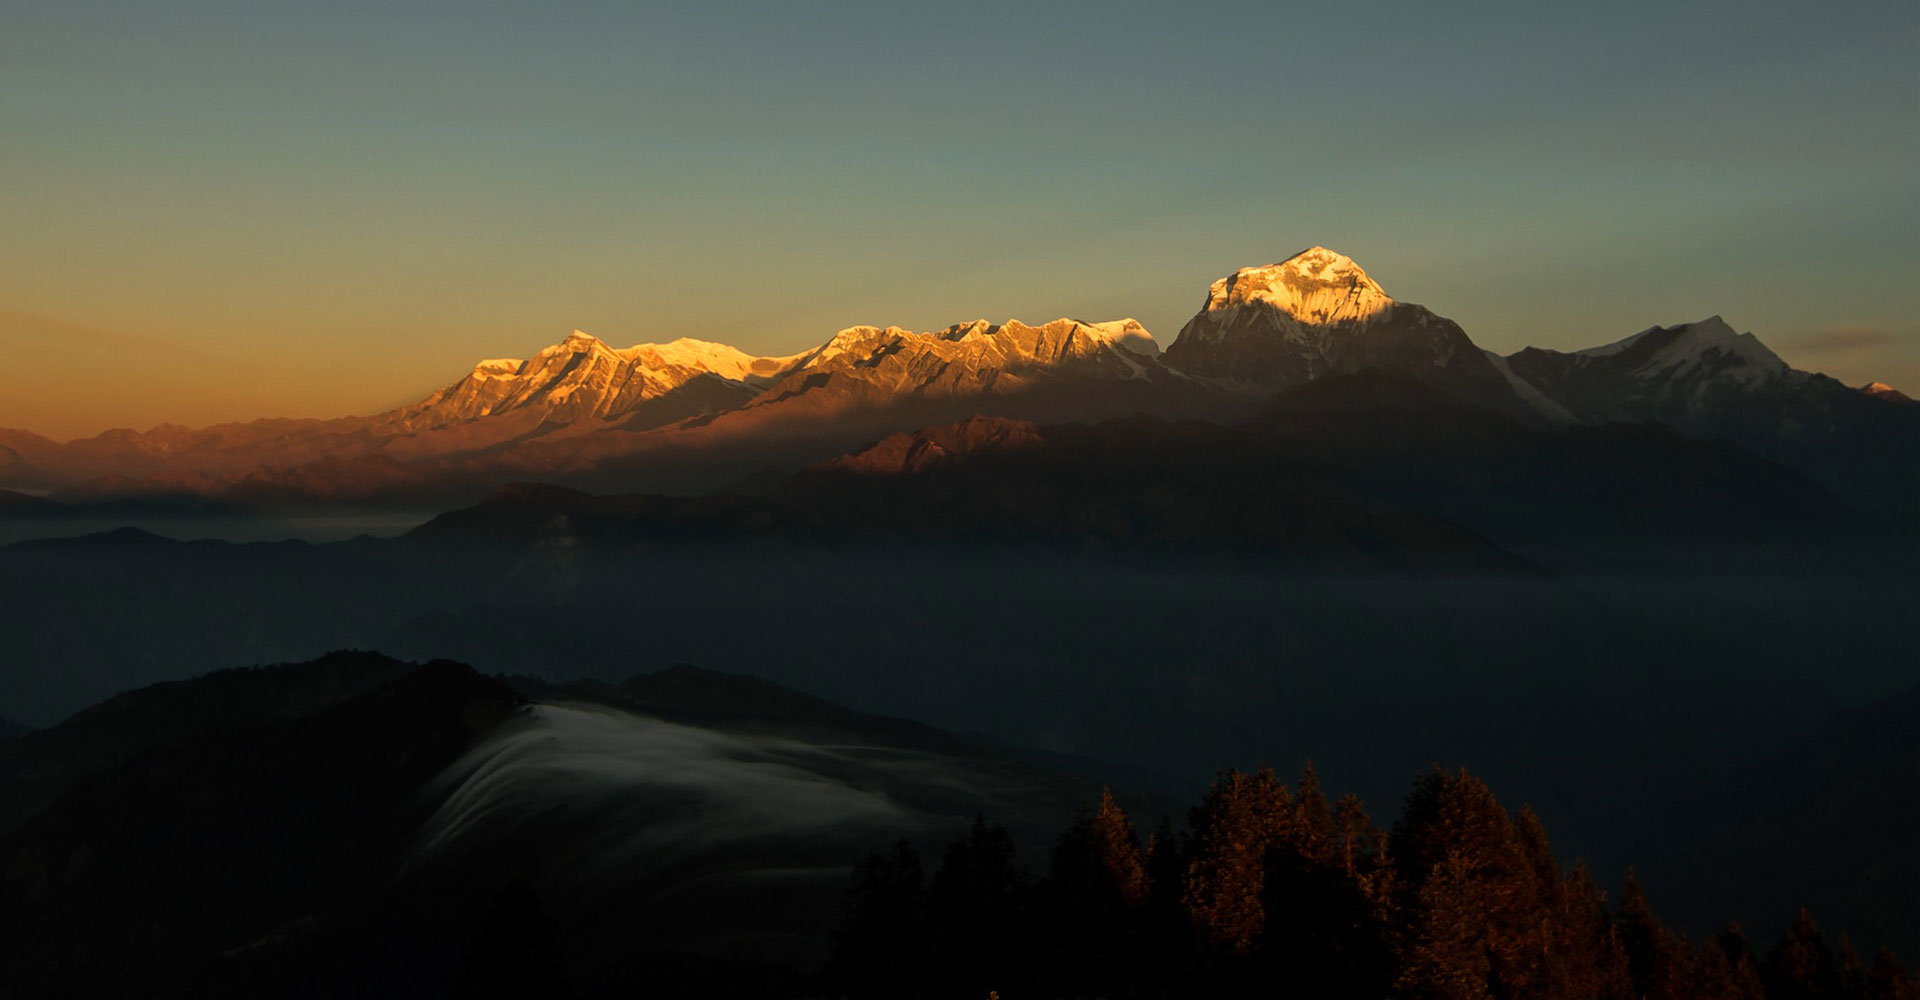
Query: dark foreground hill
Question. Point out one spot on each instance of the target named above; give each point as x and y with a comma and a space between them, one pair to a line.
238, 834
361, 826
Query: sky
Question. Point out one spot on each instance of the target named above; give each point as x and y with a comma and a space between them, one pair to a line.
217, 210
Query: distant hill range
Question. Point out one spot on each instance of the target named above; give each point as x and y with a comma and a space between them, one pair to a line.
690, 416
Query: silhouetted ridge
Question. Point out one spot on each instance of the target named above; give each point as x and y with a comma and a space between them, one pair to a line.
1374, 403
117, 538
15, 504
35, 770
928, 447
176, 863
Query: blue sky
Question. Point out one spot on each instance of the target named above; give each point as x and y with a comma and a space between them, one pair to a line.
221, 210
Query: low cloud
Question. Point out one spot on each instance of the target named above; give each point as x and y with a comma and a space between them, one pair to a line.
726, 836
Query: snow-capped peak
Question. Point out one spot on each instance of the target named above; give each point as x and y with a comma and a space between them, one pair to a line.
1686, 346
1315, 285
577, 342
721, 359
1127, 333
498, 368
699, 355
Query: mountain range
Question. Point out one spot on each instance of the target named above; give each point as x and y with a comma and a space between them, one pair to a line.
692, 416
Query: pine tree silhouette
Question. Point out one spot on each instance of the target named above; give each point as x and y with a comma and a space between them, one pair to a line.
880, 949
1800, 966
971, 910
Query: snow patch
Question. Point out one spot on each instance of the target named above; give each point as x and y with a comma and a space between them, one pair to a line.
1315, 286
1529, 394
1691, 345
1125, 333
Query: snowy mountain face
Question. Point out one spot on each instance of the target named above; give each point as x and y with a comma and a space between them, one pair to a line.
1883, 391
1664, 373
1281, 325
1316, 286
1708, 381
867, 366
582, 378
583, 412
505, 411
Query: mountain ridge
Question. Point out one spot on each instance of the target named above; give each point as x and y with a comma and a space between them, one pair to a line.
690, 415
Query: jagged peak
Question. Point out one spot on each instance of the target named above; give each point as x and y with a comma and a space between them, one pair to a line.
1127, 333
971, 330
498, 368
723, 360
855, 335
1711, 330
577, 342
1669, 348
849, 339
923, 449
1316, 285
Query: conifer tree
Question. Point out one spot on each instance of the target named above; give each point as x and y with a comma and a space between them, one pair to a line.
880, 948
1094, 894
1165, 919
1709, 976
1887, 979
1733, 940
1312, 828
1732, 945
1453, 823
1800, 966
971, 908
1536, 962
1656, 958
1595, 960
1117, 849
1848, 970
1361, 852
1274, 891
1242, 817
1322, 934
1446, 957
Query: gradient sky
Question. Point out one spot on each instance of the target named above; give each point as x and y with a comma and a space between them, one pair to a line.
217, 210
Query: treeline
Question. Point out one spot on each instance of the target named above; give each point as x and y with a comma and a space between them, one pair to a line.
1275, 891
